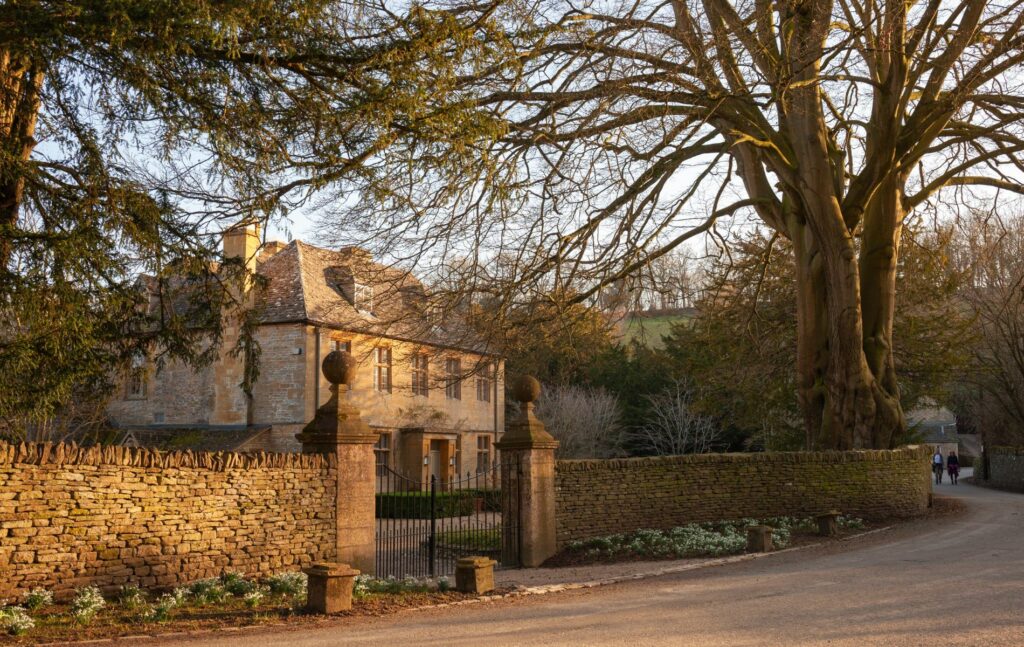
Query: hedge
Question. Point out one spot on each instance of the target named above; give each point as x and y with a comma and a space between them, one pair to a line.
416, 505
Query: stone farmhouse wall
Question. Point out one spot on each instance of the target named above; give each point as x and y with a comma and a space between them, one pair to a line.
107, 516
1006, 468
604, 497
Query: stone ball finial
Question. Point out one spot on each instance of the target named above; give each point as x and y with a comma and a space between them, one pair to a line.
526, 389
339, 367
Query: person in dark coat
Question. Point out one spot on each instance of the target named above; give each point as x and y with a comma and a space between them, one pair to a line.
953, 467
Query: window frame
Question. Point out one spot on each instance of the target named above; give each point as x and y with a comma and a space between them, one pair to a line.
453, 378
420, 372
383, 370
483, 451
137, 374
342, 344
382, 453
484, 384
362, 296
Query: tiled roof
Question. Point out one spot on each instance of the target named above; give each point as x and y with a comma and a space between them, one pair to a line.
315, 285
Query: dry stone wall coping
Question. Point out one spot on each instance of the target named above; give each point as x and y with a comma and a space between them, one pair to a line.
72, 454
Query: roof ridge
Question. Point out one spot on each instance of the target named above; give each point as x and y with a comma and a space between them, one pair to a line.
302, 277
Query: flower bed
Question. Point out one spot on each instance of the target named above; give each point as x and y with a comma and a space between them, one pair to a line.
693, 540
228, 601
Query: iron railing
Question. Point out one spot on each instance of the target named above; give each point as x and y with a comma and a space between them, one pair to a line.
424, 527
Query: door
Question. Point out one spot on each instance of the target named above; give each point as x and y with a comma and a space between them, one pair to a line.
435, 460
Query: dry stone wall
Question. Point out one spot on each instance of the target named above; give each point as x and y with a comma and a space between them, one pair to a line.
604, 497
108, 516
1006, 468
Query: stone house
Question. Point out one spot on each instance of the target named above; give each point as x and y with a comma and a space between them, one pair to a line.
934, 426
436, 398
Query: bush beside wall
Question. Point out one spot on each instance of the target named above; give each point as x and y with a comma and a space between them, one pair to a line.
604, 497
107, 516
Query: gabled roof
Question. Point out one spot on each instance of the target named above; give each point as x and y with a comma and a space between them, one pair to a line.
313, 285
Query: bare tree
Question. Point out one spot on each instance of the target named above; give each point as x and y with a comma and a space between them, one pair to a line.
584, 420
992, 392
623, 129
673, 427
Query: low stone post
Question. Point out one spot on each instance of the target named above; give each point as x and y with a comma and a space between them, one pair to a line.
338, 430
528, 484
828, 523
474, 574
330, 587
759, 539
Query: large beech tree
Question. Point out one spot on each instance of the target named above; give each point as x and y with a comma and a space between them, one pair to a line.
630, 127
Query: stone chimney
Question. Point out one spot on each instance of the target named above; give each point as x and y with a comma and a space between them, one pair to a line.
231, 406
243, 241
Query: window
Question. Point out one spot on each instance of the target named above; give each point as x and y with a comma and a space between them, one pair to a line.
483, 453
382, 369
343, 344
382, 453
363, 295
453, 379
135, 388
483, 384
420, 375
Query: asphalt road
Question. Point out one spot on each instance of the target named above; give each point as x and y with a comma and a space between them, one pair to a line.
957, 580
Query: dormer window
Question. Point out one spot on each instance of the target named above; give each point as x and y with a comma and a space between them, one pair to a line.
363, 297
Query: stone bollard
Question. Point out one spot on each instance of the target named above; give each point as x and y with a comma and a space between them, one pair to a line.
828, 523
759, 539
330, 587
474, 574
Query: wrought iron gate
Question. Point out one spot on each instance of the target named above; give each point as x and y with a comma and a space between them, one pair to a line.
424, 527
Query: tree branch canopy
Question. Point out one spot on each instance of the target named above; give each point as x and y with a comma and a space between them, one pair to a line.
836, 119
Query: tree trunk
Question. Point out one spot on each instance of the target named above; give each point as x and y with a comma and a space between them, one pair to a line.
812, 337
20, 83
847, 385
880, 245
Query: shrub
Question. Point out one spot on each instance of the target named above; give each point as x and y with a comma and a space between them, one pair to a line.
38, 598
236, 584
292, 584
491, 498
367, 584
87, 603
253, 597
132, 597
15, 621
208, 591
165, 604
416, 505
180, 595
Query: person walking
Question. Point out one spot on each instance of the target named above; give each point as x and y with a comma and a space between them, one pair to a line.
937, 464
953, 467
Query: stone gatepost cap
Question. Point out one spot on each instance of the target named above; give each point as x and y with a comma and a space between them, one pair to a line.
476, 562
760, 528
330, 569
339, 367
